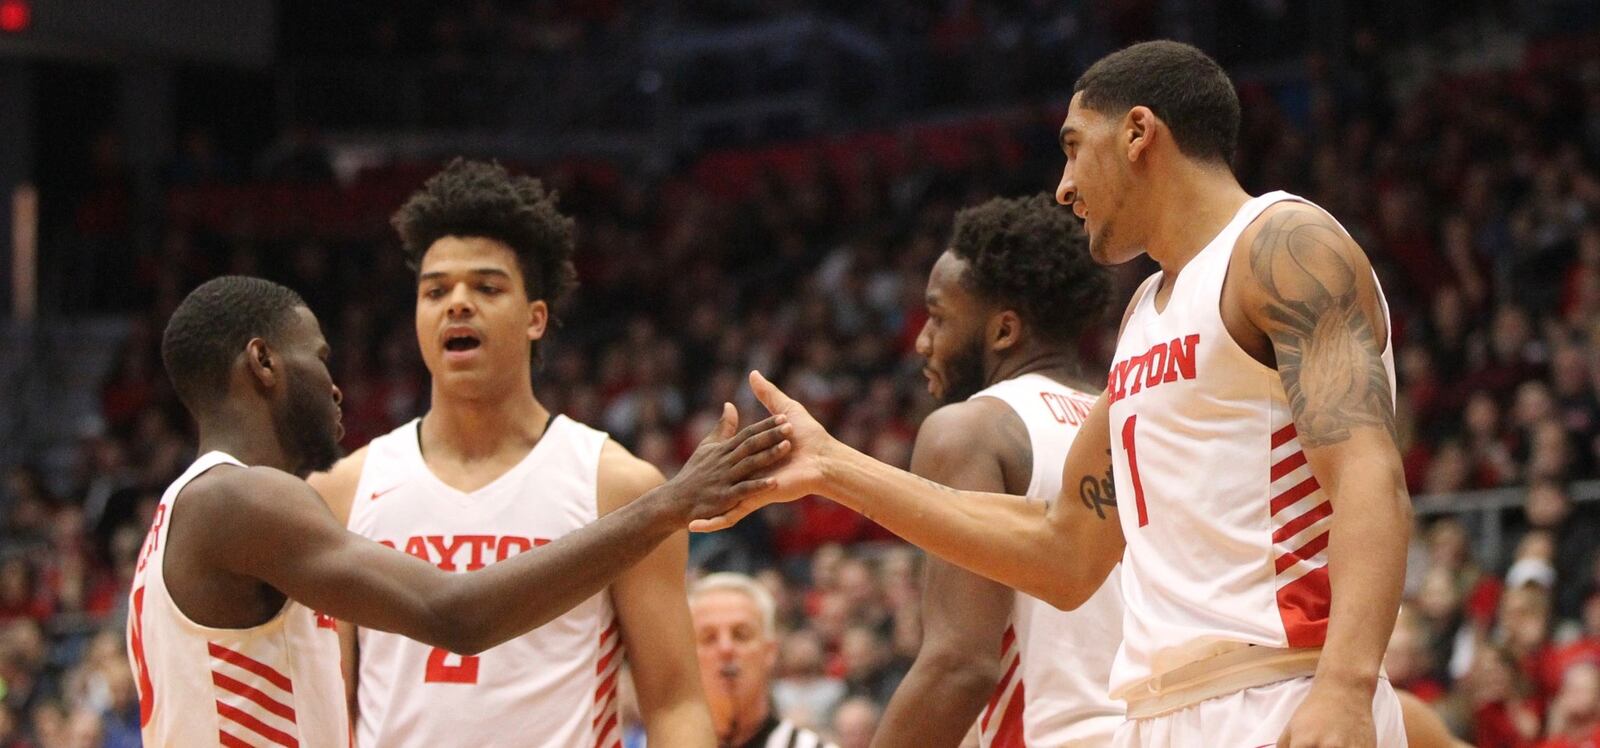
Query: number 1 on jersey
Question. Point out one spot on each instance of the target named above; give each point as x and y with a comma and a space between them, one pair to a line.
1133, 468
440, 671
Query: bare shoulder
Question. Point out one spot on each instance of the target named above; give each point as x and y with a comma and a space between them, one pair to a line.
337, 486
623, 477
231, 502
1297, 252
979, 434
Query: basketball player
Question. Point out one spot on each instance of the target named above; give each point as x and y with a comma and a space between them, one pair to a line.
1006, 304
224, 646
1263, 515
488, 468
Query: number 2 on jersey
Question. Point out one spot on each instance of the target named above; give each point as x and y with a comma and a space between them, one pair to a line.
441, 671
1133, 468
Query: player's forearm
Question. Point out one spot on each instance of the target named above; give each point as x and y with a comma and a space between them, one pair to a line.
1366, 567
484, 608
958, 685
686, 723
1005, 538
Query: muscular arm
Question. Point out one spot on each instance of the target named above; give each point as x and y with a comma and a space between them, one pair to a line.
267, 525
1309, 288
337, 487
650, 599
963, 614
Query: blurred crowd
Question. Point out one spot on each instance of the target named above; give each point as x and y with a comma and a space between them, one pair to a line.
1477, 195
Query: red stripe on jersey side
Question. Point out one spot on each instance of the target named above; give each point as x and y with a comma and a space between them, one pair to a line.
1282, 436
605, 686
999, 691
1288, 498
604, 635
1288, 464
262, 700
605, 731
1303, 605
1007, 640
255, 666
229, 741
605, 660
248, 721
1325, 509
1009, 733
1306, 552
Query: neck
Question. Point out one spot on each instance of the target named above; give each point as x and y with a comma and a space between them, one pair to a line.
1050, 361
749, 722
248, 436
1190, 206
474, 428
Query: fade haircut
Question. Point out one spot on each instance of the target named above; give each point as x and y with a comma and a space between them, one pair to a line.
1183, 86
482, 199
213, 325
1031, 255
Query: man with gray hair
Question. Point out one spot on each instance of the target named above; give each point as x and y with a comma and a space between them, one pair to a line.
736, 638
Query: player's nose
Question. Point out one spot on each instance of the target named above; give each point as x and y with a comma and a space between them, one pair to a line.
924, 344
460, 301
1066, 189
338, 395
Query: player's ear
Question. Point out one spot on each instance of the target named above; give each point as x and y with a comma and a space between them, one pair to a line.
1005, 330
261, 362
538, 318
1138, 131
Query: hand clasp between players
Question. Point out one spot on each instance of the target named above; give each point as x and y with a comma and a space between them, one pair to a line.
718, 476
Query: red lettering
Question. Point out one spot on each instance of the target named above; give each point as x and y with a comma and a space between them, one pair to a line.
1183, 357
1050, 404
447, 553
389, 543
325, 621
1158, 363
153, 540
147, 690
478, 544
439, 671
417, 548
1136, 367
511, 545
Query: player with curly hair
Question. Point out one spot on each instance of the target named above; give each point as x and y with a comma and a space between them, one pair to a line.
488, 473
1007, 303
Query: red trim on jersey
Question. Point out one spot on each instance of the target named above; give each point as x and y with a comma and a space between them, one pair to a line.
1301, 490
605, 710
998, 692
1303, 605
1288, 464
605, 687
262, 700
1325, 509
605, 659
247, 720
1009, 733
1282, 436
255, 666
229, 741
611, 724
1306, 552
604, 635
1007, 640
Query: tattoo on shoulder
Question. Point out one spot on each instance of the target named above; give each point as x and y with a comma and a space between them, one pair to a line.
1329, 353
1097, 493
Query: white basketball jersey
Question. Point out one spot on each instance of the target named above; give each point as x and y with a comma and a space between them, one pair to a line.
1057, 674
1227, 529
553, 686
277, 684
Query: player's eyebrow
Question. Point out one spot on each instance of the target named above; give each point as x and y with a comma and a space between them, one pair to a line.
436, 275
1066, 131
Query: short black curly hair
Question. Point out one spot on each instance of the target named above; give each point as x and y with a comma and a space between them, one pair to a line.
1031, 255
211, 327
1184, 87
482, 199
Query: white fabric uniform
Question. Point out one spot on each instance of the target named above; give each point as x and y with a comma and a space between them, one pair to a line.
1057, 674
1225, 577
553, 686
276, 684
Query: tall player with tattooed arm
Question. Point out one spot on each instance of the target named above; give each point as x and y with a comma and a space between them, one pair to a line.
223, 639
1263, 517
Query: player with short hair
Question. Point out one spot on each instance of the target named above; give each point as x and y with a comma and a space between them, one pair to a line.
1006, 304
224, 643
1262, 515
489, 472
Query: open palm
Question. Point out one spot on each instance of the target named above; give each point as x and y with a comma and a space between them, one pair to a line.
800, 475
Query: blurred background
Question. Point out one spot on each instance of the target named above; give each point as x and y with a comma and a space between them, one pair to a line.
764, 184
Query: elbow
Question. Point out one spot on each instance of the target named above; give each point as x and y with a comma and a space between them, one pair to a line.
966, 670
1069, 590
456, 627
1064, 599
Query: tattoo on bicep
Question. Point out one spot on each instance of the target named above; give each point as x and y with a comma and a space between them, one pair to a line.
1097, 493
1329, 353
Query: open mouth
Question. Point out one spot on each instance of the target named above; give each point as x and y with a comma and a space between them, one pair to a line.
461, 342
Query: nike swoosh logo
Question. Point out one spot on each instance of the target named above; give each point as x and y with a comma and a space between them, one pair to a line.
376, 494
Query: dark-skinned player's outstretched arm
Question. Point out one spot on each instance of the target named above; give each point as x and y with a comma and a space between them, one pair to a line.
1058, 551
964, 615
1305, 284
264, 524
